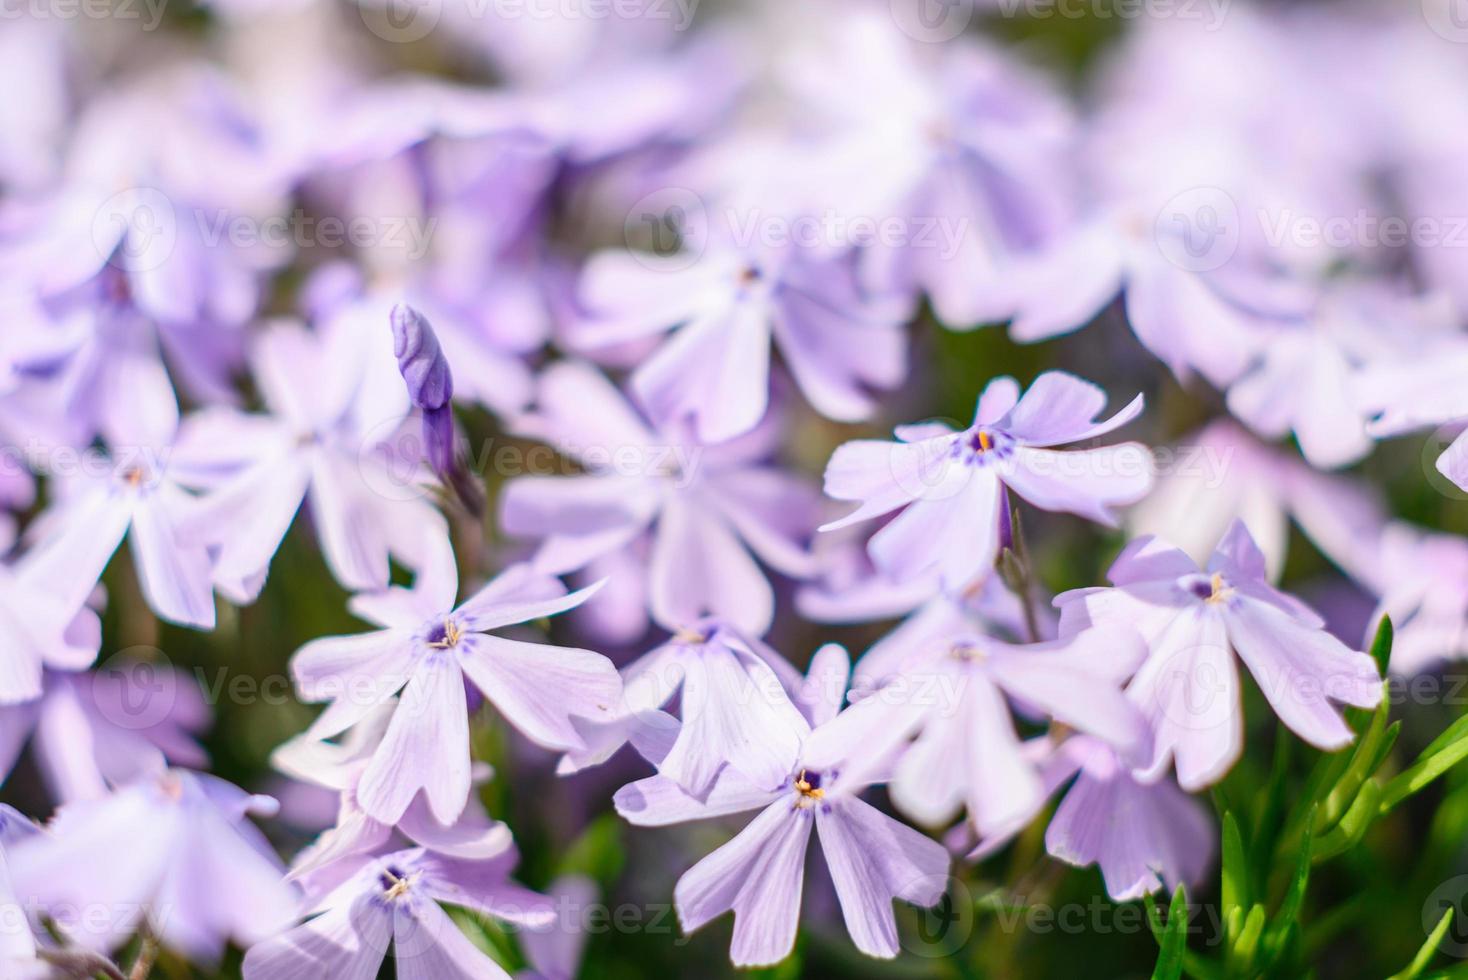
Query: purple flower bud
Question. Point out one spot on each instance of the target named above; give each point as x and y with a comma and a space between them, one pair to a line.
431, 388
420, 359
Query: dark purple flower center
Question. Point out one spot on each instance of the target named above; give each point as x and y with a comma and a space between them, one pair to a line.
444, 635
980, 445
394, 882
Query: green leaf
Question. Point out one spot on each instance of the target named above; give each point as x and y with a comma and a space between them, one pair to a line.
1381, 646
1429, 948
1174, 938
1235, 866
1246, 947
1294, 899
1353, 826
1430, 765
1371, 749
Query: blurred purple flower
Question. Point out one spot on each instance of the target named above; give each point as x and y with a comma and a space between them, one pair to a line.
195, 871
700, 509
91, 730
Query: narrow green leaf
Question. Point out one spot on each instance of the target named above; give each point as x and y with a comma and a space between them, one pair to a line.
1429, 949
1353, 826
1174, 939
1423, 772
1246, 947
1235, 866
1294, 899
1364, 760
1381, 646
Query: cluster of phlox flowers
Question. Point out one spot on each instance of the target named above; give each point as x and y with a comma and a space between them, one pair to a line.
268, 271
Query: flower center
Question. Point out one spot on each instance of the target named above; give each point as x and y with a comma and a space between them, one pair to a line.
444, 635
688, 636
982, 445
1215, 589
395, 883
808, 789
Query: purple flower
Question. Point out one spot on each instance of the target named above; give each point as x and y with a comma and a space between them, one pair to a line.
17, 943
759, 875
953, 692
138, 496
393, 899
953, 486
1189, 320
1421, 588
1222, 473
91, 730
555, 951
963, 149
1194, 622
676, 519
191, 867
1144, 836
431, 389
338, 767
336, 406
727, 305
735, 710
1304, 381
427, 648
40, 628
1422, 389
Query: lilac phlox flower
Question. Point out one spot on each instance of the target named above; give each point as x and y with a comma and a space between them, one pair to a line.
555, 952
1145, 836
1194, 622
1422, 578
1223, 473
940, 703
138, 494
1188, 319
335, 407
1305, 379
172, 852
40, 628
1418, 391
682, 522
759, 875
427, 648
726, 304
338, 767
962, 149
91, 730
393, 900
734, 705
952, 486
17, 942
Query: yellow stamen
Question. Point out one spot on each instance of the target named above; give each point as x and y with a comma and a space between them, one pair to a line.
1219, 590
985, 443
689, 636
399, 886
806, 789
452, 634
